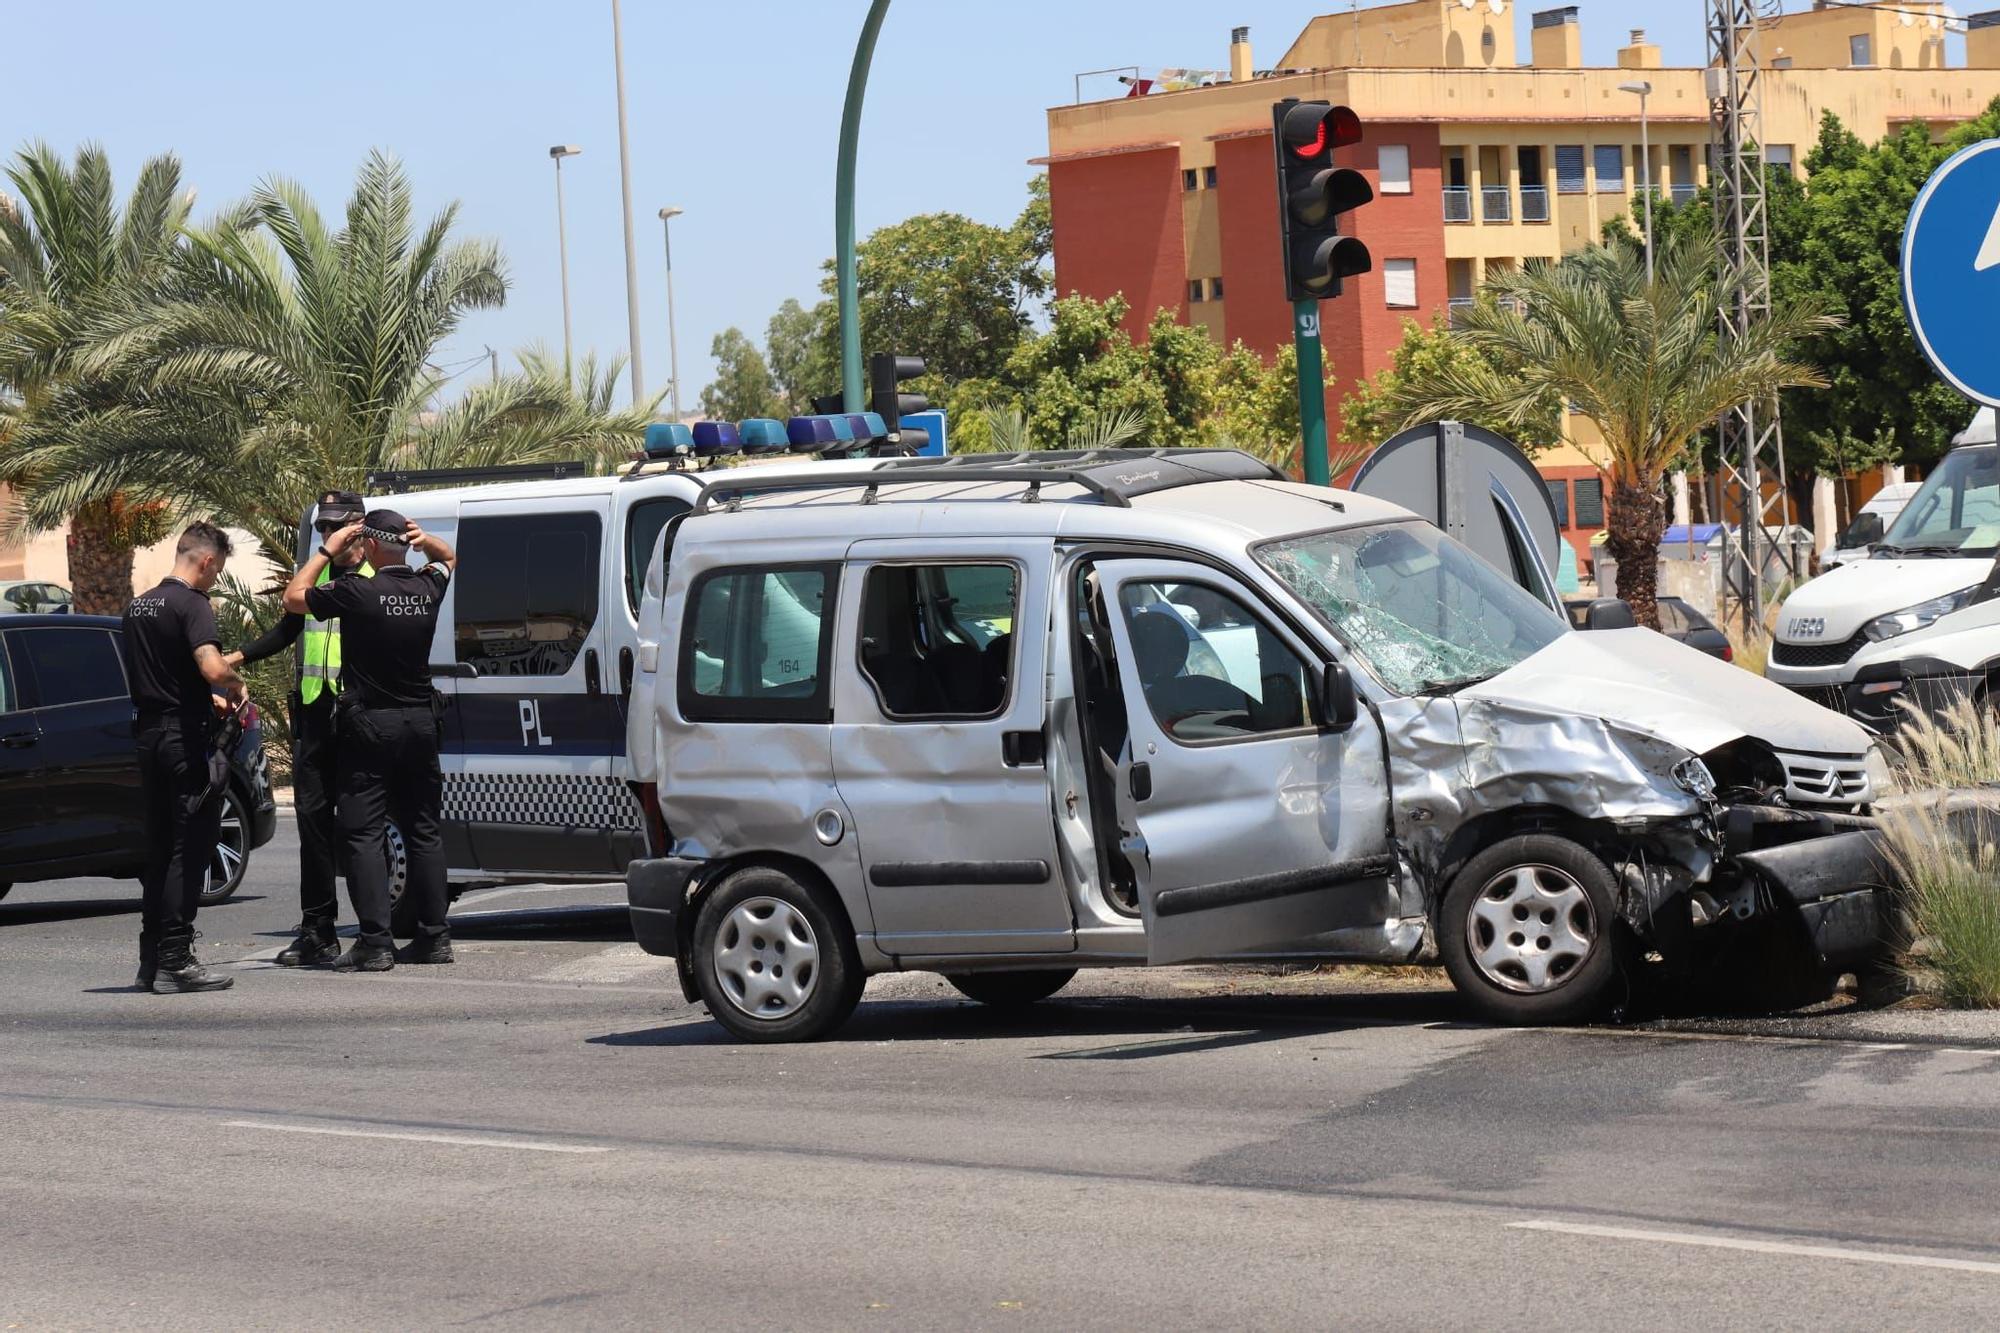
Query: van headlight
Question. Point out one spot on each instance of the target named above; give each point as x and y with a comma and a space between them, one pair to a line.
1695, 779
1918, 616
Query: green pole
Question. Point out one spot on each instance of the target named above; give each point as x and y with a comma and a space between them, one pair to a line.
1312, 391
843, 212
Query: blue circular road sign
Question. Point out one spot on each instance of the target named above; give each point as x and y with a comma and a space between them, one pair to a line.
1951, 271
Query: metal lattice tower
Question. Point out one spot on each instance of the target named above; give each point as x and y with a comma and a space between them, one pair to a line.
1751, 436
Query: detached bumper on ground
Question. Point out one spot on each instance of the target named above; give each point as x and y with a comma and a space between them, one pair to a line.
1841, 886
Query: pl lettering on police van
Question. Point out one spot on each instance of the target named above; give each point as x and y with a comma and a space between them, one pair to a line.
532, 733
1805, 627
406, 604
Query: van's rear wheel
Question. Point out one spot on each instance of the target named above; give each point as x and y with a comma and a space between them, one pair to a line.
774, 958
1527, 931
1010, 990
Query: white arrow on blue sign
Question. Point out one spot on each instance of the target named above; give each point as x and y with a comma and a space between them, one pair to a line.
1951, 271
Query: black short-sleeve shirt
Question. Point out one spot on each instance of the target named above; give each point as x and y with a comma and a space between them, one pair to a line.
386, 622
163, 627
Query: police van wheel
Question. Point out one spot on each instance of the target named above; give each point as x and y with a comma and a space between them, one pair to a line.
1010, 990
232, 852
774, 959
1527, 931
402, 909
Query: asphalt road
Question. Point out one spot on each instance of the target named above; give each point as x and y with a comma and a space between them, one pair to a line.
546, 1134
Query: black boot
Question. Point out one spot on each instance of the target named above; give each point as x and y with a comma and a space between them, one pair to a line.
149, 960
315, 946
180, 971
365, 958
427, 949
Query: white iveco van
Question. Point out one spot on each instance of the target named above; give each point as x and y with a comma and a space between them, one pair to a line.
1917, 622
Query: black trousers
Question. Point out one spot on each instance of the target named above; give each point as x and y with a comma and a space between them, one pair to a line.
182, 820
389, 770
315, 779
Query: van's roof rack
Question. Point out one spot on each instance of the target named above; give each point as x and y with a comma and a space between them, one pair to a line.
1108, 476
398, 480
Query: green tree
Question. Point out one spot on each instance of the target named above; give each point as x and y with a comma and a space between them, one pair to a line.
795, 348
1641, 359
1429, 355
277, 356
742, 386
68, 252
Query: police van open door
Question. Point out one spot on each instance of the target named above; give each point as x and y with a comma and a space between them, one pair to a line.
537, 717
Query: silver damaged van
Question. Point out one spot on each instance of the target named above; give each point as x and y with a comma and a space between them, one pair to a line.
1005, 717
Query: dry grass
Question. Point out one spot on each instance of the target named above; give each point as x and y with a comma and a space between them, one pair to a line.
1950, 869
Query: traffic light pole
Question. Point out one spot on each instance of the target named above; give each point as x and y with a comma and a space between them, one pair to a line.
1312, 392
846, 286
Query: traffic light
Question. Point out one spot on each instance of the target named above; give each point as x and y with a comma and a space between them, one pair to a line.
1313, 193
886, 370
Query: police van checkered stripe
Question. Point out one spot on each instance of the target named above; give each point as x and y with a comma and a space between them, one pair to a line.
571, 801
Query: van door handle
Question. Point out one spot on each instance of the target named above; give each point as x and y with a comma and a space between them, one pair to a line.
1021, 749
625, 671
1141, 782
19, 740
593, 682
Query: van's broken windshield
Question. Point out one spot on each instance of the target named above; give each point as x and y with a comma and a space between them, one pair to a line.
1425, 613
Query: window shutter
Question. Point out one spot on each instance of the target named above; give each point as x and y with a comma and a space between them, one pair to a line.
1610, 168
1569, 169
1392, 163
1559, 497
1399, 282
1589, 502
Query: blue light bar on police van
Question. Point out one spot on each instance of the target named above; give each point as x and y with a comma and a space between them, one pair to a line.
712, 439
814, 433
668, 439
762, 435
867, 425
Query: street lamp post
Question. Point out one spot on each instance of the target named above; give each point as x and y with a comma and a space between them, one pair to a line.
625, 186
667, 215
1644, 89
558, 153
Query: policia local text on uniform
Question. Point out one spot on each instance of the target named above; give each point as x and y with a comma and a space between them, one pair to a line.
388, 726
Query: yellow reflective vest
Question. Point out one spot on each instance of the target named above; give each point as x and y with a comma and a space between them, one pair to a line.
319, 650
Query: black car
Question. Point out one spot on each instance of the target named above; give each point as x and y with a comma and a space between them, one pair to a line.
69, 779
1678, 620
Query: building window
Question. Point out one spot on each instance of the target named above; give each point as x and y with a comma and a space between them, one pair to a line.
1189, 180
1590, 502
1215, 289
1860, 50
1208, 177
1779, 155
1609, 161
1399, 282
1559, 497
1194, 289
1392, 165
1570, 177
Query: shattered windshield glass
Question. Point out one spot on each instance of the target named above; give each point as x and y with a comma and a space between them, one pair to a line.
1426, 614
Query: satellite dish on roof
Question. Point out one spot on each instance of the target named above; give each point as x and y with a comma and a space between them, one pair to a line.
1480, 488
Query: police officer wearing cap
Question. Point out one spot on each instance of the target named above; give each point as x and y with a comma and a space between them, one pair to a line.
314, 776
179, 683
388, 724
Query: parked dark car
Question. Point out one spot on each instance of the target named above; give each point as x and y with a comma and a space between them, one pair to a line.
1678, 620
69, 781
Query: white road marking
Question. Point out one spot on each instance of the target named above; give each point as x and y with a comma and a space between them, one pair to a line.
606, 967
461, 1140
1745, 1243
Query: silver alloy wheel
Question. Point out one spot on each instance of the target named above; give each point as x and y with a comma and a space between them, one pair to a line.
398, 857
767, 958
232, 846
1530, 928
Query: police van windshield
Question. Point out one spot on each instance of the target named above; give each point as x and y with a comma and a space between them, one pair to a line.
1955, 513
1426, 614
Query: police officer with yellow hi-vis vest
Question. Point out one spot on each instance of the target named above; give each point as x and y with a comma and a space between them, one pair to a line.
313, 741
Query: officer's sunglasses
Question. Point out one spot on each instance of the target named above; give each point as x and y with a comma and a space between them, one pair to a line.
326, 527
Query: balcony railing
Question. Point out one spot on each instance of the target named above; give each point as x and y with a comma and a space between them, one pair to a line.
1456, 308
1495, 204
1682, 194
1534, 203
1457, 204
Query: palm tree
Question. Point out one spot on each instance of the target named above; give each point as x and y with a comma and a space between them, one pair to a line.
1643, 360
281, 356
68, 253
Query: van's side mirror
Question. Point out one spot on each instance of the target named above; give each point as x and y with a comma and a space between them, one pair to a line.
1865, 530
1338, 704
1609, 613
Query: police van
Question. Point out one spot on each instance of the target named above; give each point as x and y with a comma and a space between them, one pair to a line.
539, 638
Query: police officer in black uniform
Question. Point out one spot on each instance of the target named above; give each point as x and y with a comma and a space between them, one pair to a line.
174, 664
314, 773
388, 755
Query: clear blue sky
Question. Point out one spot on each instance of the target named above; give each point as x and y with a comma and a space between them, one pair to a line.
735, 110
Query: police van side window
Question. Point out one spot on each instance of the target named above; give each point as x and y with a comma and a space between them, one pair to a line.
756, 644
642, 529
527, 592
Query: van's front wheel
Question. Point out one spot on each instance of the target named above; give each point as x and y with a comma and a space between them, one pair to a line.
774, 959
1526, 931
